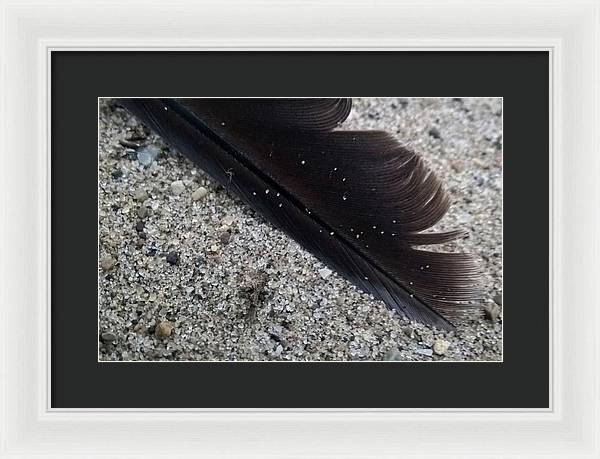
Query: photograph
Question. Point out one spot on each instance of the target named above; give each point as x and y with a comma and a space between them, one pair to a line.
363, 229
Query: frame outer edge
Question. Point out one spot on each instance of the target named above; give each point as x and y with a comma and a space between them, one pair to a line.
27, 427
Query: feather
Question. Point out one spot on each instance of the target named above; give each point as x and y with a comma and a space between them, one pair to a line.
357, 200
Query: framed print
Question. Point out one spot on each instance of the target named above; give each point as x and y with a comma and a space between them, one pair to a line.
297, 237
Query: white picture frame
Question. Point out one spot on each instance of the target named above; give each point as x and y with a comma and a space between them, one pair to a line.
568, 29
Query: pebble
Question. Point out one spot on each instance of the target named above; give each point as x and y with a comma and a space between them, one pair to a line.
128, 143
173, 258
458, 166
199, 193
143, 212
325, 272
435, 133
164, 329
224, 237
177, 187
147, 154
139, 226
479, 163
141, 195
228, 220
492, 311
393, 354
108, 337
498, 299
427, 352
117, 173
440, 347
107, 263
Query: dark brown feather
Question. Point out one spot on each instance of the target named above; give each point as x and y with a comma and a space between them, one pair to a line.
358, 200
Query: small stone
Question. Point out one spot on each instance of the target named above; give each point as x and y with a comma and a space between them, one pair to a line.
393, 355
140, 195
128, 143
427, 352
108, 337
117, 173
325, 273
143, 212
173, 258
408, 331
228, 220
139, 226
147, 154
177, 187
139, 328
498, 299
199, 193
164, 329
107, 263
278, 349
168, 352
440, 346
224, 237
214, 248
214, 258
492, 311
458, 166
435, 133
